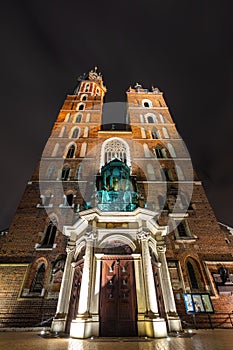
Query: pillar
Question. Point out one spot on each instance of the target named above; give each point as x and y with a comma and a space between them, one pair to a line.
59, 322
81, 327
173, 319
154, 325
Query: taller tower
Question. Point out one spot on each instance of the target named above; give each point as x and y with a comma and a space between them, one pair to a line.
113, 230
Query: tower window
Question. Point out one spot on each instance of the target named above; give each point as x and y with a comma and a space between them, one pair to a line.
182, 230
69, 199
158, 152
78, 118
65, 173
70, 152
154, 134
74, 134
87, 86
50, 234
38, 281
146, 103
83, 97
150, 119
47, 199
80, 107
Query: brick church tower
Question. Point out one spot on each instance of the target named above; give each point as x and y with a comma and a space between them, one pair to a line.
114, 235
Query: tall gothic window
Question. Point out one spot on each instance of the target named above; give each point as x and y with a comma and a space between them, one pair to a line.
50, 234
192, 275
70, 152
65, 173
115, 149
38, 281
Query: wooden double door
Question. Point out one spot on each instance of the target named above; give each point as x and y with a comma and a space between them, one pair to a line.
118, 305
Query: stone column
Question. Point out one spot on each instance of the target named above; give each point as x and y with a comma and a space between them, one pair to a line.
59, 322
148, 273
85, 291
83, 325
155, 326
173, 319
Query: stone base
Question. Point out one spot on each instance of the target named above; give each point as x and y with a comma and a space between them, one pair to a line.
84, 328
152, 328
58, 325
174, 324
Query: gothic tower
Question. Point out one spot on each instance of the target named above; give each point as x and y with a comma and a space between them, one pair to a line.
114, 234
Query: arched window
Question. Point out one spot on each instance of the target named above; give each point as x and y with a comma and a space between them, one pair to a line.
182, 230
83, 149
192, 275
78, 118
87, 86
55, 150
195, 277
70, 152
171, 150
146, 150
158, 152
83, 97
115, 149
69, 199
74, 134
147, 103
150, 172
50, 234
38, 281
62, 132
65, 173
150, 119
165, 133
80, 107
154, 134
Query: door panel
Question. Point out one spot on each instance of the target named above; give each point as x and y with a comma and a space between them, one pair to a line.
118, 297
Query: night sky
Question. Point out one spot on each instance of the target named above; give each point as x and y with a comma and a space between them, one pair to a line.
185, 48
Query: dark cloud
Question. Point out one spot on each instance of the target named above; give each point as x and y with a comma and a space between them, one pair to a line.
184, 48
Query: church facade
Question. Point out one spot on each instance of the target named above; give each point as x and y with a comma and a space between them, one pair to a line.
114, 235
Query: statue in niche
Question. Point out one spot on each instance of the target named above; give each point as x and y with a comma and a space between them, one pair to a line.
116, 188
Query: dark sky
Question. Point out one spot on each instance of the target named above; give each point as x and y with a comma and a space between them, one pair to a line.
183, 47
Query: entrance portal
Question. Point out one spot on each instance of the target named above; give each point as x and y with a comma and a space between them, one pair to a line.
118, 297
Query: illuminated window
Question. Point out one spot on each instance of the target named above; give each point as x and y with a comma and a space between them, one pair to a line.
78, 118
70, 152
147, 103
74, 134
80, 107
